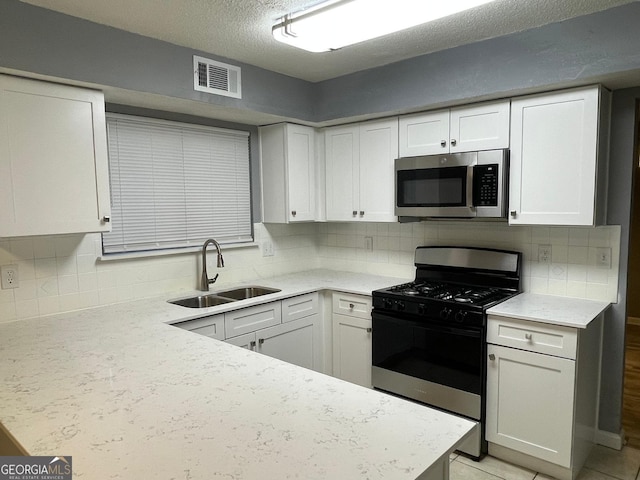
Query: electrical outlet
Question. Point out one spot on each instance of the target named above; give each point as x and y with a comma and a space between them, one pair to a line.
603, 257
9, 276
267, 249
544, 253
368, 243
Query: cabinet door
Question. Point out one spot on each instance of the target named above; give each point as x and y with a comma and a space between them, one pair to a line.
248, 341
352, 349
291, 342
530, 403
53, 159
480, 127
342, 154
553, 158
301, 180
378, 150
424, 134
287, 158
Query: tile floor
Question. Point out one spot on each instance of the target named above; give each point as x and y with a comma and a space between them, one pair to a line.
603, 464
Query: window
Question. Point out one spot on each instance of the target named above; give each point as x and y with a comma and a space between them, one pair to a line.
174, 185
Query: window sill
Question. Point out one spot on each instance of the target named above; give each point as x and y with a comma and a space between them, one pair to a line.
114, 257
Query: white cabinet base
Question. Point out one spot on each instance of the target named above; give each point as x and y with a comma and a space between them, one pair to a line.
532, 463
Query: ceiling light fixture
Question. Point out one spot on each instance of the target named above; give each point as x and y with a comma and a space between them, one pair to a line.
338, 23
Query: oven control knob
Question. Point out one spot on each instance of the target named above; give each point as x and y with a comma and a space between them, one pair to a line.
444, 313
399, 305
460, 316
387, 303
422, 309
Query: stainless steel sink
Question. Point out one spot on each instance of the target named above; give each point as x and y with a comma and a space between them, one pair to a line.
247, 292
202, 301
226, 296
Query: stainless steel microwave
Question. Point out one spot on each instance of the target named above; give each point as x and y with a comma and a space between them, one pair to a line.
464, 185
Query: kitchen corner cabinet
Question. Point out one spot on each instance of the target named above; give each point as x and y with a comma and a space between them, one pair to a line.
542, 393
287, 155
558, 165
484, 126
54, 175
359, 171
351, 321
288, 330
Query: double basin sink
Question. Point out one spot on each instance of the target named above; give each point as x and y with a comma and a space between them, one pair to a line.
225, 296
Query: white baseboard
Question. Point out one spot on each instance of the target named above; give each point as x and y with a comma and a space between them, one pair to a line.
609, 439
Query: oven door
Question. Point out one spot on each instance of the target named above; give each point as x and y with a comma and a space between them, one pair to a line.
436, 364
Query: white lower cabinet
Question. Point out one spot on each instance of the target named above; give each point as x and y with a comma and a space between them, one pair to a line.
292, 342
352, 338
542, 393
292, 330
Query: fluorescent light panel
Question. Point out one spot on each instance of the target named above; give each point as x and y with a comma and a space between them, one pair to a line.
338, 23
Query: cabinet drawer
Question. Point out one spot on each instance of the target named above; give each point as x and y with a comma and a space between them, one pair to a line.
209, 326
352, 305
251, 319
299, 307
533, 336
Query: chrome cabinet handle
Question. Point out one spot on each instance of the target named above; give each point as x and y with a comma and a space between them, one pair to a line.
252, 344
260, 341
443, 143
527, 336
492, 357
513, 213
293, 212
369, 330
453, 142
355, 212
106, 219
351, 305
361, 213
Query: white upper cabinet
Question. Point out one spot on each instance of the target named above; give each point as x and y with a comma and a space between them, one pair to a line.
483, 126
287, 153
54, 175
558, 155
359, 166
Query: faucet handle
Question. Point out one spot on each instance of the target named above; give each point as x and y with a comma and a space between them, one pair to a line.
213, 280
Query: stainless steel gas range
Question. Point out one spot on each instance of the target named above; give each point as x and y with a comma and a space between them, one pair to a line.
429, 336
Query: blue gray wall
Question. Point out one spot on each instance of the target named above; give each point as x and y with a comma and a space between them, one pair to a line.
597, 47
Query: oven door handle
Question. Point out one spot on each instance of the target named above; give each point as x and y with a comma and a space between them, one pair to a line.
466, 332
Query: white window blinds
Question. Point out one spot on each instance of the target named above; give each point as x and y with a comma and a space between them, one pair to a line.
174, 185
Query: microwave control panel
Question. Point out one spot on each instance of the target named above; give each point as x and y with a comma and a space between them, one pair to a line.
485, 185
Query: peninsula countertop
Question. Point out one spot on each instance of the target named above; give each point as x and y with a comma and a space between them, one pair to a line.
129, 396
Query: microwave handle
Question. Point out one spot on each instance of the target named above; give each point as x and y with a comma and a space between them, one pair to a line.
470, 186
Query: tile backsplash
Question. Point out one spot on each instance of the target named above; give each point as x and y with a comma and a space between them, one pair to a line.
65, 272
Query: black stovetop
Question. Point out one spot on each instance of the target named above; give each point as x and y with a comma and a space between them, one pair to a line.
453, 284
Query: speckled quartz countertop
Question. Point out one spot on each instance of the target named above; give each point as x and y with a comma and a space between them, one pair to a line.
563, 311
131, 397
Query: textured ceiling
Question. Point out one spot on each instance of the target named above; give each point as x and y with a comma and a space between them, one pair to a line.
241, 29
